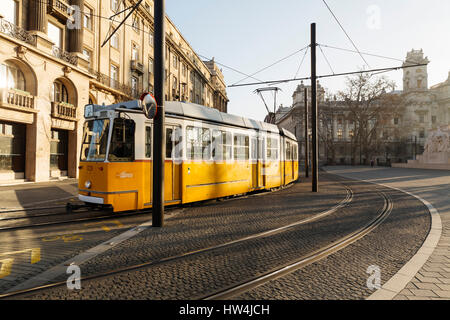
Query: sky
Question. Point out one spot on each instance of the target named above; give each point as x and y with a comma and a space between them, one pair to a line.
249, 35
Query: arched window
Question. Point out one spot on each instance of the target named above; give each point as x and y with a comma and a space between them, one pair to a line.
11, 76
59, 92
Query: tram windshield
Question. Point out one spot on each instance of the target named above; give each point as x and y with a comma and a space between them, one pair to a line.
95, 140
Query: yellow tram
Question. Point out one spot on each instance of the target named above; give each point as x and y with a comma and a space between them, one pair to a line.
209, 154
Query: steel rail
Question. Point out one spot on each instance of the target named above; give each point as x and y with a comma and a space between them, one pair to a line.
339, 205
336, 246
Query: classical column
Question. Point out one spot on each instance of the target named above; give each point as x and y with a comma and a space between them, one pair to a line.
76, 31
38, 16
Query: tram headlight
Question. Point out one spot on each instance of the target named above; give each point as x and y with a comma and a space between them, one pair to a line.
87, 184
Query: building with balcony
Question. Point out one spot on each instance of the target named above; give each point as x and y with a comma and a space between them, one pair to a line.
52, 63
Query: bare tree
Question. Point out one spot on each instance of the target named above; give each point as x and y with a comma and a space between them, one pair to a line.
370, 110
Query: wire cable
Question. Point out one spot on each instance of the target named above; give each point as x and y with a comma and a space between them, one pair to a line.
368, 54
337, 20
301, 63
328, 62
265, 68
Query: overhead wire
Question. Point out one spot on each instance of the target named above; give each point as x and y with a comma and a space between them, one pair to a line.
271, 65
326, 59
339, 23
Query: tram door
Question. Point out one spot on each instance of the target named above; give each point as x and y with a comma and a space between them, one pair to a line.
172, 166
254, 162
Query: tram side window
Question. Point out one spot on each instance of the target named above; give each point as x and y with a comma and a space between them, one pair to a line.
294, 152
288, 150
272, 149
198, 143
148, 142
122, 141
241, 147
222, 145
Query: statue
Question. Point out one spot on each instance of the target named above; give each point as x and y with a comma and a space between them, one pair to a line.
438, 141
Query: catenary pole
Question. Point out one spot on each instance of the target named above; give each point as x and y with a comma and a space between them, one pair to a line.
158, 123
315, 153
306, 135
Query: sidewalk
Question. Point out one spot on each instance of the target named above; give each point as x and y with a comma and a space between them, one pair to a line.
432, 277
41, 195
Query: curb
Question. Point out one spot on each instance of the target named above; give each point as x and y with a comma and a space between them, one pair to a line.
399, 281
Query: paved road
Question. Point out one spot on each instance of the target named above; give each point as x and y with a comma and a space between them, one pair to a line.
433, 280
341, 275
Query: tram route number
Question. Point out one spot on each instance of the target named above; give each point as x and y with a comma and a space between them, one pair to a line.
64, 237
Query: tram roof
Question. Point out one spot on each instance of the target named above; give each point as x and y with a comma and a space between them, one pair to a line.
200, 112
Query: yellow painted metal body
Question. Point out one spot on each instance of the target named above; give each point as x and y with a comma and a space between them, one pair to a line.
127, 185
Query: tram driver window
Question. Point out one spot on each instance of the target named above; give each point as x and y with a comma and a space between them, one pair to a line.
122, 141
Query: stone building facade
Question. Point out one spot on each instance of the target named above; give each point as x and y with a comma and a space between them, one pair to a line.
403, 136
52, 64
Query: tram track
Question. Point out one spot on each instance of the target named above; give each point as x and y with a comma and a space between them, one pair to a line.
317, 255
343, 203
27, 218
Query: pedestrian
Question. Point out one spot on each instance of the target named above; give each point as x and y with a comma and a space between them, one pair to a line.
372, 163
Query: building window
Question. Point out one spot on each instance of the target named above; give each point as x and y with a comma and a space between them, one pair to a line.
175, 61
422, 134
175, 83
134, 52
136, 23
433, 119
419, 83
114, 5
150, 67
340, 134
134, 86
396, 121
59, 92
8, 10
114, 41
114, 75
88, 17
11, 77
55, 34
88, 54
421, 118
151, 39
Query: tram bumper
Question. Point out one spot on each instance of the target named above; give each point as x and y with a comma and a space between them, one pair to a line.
89, 199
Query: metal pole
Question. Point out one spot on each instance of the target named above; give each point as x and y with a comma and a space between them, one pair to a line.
315, 153
306, 135
159, 136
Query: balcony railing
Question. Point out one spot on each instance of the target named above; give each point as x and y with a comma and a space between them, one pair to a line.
137, 67
109, 82
64, 110
16, 98
58, 8
16, 32
64, 55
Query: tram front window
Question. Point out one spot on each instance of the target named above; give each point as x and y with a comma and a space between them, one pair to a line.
122, 141
95, 140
